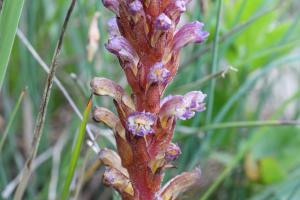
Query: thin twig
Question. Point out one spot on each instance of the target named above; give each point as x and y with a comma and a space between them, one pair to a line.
43, 109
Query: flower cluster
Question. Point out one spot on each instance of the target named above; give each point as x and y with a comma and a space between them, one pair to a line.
144, 38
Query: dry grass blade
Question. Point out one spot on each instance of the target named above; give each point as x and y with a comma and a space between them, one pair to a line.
43, 108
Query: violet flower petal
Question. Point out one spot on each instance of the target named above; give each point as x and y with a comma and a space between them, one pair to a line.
189, 33
124, 51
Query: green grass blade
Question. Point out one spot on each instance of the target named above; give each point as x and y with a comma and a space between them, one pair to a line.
76, 151
214, 65
9, 20
11, 119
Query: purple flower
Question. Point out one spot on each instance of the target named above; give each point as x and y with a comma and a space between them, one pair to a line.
140, 123
158, 74
175, 106
172, 153
163, 22
183, 107
189, 33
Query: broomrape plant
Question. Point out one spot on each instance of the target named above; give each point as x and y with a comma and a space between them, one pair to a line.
144, 37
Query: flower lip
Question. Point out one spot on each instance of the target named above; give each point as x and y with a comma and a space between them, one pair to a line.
183, 107
163, 22
135, 7
158, 73
140, 123
194, 100
191, 32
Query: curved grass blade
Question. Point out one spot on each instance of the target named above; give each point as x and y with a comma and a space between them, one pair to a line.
76, 151
11, 119
9, 20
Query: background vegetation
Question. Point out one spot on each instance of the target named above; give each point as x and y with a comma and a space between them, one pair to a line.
247, 142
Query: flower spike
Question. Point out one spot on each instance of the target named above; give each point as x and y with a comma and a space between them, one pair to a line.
144, 38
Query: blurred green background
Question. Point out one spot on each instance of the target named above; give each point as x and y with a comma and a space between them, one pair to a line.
239, 142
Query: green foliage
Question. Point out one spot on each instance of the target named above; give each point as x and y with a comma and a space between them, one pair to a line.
9, 20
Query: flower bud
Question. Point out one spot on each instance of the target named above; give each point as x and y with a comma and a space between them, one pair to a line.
113, 30
120, 182
104, 115
135, 7
172, 153
140, 123
104, 86
179, 184
111, 159
189, 33
124, 51
163, 22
